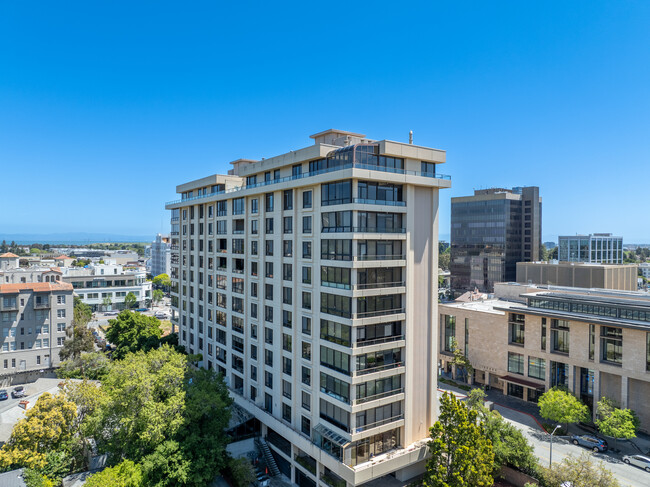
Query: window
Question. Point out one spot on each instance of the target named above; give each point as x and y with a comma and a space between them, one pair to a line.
306, 326
60, 313
515, 363
337, 193
306, 199
238, 206
268, 268
449, 332
60, 300
287, 318
287, 199
306, 275
611, 344
287, 248
336, 221
306, 376
59, 327
296, 170
335, 360
306, 300
286, 366
306, 350
268, 314
336, 249
306, 224
305, 426
306, 400
537, 368
336, 305
287, 272
255, 206
269, 247
306, 250
559, 336
269, 201
592, 341
543, 336
286, 412
287, 224
286, 389
516, 326
334, 415
268, 379
268, 292
335, 332
337, 277
335, 388
254, 227
268, 358
269, 226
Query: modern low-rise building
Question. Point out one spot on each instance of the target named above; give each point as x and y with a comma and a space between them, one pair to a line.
531, 338
490, 232
602, 248
105, 286
622, 277
310, 281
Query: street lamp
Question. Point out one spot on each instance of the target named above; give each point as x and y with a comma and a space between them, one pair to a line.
550, 454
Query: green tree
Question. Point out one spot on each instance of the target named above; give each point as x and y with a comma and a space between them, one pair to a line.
46, 427
131, 331
130, 301
615, 422
579, 472
162, 281
82, 313
242, 473
124, 474
475, 399
560, 406
33, 478
444, 259
145, 399
92, 365
461, 454
460, 360
79, 338
509, 444
107, 302
157, 296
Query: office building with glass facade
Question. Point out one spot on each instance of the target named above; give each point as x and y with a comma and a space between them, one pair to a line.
531, 338
601, 248
310, 281
490, 232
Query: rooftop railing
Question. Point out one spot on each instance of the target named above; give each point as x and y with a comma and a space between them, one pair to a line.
355, 165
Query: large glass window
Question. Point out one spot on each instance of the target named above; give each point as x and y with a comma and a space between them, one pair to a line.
336, 221
370, 221
559, 336
537, 368
336, 249
515, 363
335, 360
336, 305
335, 388
337, 277
517, 326
336, 193
379, 250
335, 332
449, 332
379, 192
611, 344
376, 389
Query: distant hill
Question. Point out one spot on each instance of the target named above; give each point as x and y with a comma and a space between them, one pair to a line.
74, 238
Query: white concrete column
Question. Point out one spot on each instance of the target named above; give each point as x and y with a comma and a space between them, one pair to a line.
624, 390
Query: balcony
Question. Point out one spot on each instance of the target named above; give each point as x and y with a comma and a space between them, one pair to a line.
379, 368
363, 201
381, 395
353, 165
307, 462
379, 285
349, 229
380, 257
376, 424
379, 341
372, 314
45, 304
13, 306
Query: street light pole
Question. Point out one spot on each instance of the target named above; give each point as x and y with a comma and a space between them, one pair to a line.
550, 453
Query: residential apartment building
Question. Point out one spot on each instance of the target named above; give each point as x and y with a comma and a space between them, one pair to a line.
310, 281
34, 316
644, 269
622, 277
161, 255
490, 232
531, 338
602, 248
105, 286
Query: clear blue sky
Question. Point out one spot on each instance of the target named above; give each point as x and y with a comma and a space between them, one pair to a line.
106, 106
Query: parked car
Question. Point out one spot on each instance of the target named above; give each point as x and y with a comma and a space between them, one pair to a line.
3, 394
590, 441
142, 310
263, 480
161, 315
638, 461
111, 313
18, 391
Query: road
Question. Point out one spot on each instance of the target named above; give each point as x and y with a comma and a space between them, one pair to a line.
627, 475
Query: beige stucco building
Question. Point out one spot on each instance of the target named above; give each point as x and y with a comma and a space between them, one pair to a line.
310, 280
531, 338
622, 277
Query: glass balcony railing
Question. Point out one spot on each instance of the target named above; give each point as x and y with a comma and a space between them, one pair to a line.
379, 285
363, 201
381, 312
355, 165
344, 229
376, 424
381, 395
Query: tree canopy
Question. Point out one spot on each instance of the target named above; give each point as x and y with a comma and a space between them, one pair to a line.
131, 331
461, 454
579, 472
130, 301
560, 406
162, 280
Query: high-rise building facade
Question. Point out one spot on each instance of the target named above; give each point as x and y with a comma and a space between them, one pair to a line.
597, 248
310, 281
160, 255
490, 232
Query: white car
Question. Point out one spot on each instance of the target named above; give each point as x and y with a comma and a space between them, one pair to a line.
161, 315
638, 461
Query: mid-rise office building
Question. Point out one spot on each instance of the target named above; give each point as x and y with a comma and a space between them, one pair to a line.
310, 281
104, 287
161, 255
602, 248
531, 338
644, 269
490, 232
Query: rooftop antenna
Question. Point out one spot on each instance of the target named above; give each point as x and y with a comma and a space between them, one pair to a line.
410, 137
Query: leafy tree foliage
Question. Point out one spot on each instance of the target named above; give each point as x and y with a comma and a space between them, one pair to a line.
162, 281
475, 399
91, 366
47, 427
130, 301
79, 338
124, 474
560, 406
615, 422
579, 472
32, 478
131, 332
461, 455
242, 473
509, 444
157, 296
460, 360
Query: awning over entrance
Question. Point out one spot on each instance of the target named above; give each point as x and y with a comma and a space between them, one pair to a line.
522, 382
330, 435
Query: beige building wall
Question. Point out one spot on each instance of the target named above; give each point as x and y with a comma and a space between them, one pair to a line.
621, 277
